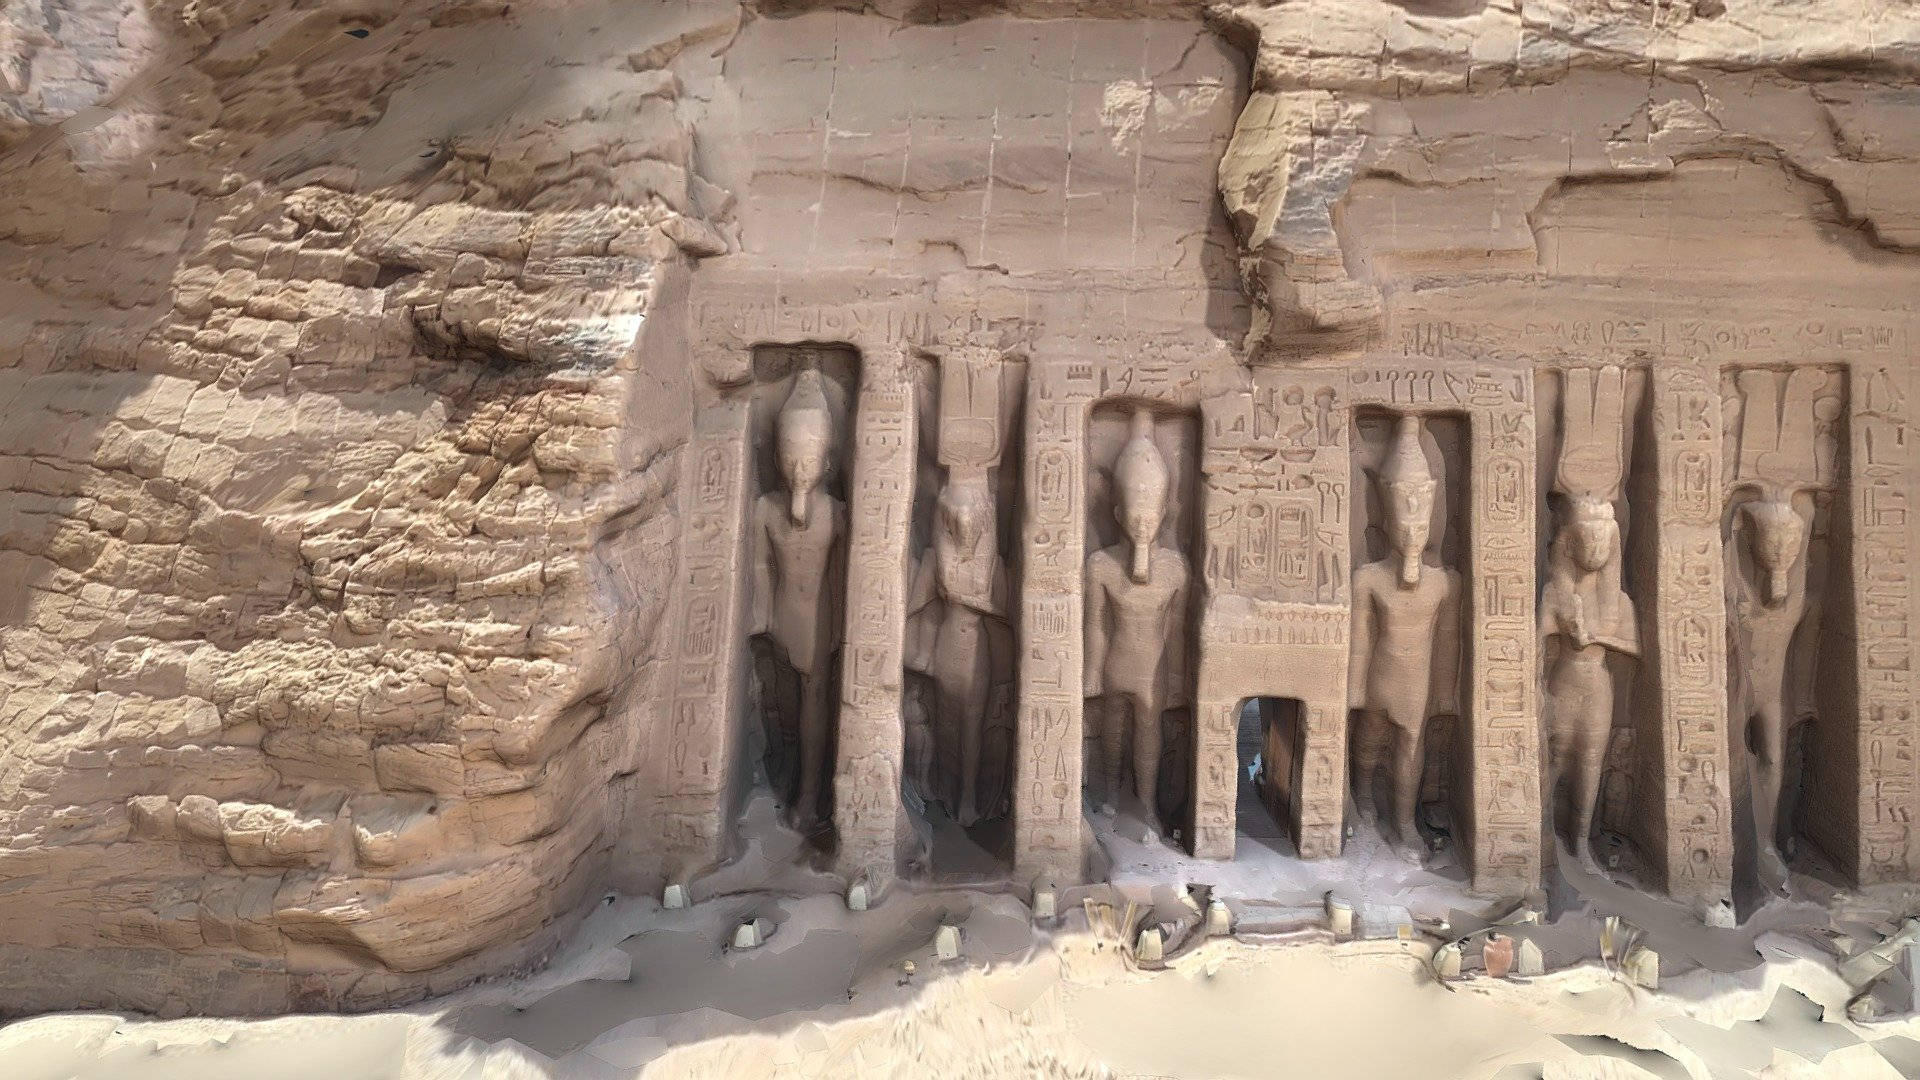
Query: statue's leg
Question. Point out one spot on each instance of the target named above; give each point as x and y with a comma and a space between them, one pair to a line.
1367, 726
1113, 745
1588, 765
1560, 751
815, 719
969, 716
1769, 761
1408, 763
1146, 757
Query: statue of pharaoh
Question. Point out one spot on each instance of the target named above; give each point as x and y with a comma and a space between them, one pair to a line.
798, 573
1136, 621
1406, 640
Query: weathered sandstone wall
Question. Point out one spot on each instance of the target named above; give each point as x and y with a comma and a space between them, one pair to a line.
351, 354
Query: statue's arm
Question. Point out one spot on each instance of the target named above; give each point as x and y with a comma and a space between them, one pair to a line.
1096, 633
920, 591
1360, 646
760, 604
1446, 652
1626, 638
1179, 645
920, 617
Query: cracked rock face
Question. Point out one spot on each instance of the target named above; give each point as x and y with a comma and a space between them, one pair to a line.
348, 359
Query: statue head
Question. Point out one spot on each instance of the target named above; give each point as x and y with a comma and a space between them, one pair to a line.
1592, 533
803, 441
965, 508
1407, 486
1141, 481
1778, 534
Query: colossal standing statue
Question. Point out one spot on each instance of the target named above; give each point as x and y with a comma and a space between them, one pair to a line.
798, 575
1406, 639
1768, 579
1585, 614
958, 634
1136, 621
1785, 456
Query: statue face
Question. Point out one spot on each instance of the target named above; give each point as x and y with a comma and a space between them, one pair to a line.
1409, 516
965, 513
1140, 515
803, 462
1776, 547
1777, 535
1593, 541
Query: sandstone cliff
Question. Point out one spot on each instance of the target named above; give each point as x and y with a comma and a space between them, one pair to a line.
346, 354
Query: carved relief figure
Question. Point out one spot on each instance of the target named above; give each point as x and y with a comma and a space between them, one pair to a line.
799, 568
1585, 614
1136, 621
1406, 639
958, 633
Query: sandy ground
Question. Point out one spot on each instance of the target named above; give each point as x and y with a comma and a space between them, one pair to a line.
833, 993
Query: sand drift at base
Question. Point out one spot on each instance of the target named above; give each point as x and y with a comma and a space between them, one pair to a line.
827, 997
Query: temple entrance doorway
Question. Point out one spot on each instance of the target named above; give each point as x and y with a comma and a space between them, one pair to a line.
1268, 745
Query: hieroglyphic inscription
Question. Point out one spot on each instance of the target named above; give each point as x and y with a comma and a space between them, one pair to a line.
697, 757
1883, 468
1690, 643
1627, 336
1503, 830
1215, 764
867, 808
1275, 462
1048, 770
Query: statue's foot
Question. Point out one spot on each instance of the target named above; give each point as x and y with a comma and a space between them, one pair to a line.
1772, 870
968, 816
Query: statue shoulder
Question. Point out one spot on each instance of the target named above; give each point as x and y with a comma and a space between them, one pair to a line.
1102, 563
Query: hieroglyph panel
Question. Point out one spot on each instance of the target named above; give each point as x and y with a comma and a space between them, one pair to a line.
699, 770
1882, 483
1695, 862
868, 813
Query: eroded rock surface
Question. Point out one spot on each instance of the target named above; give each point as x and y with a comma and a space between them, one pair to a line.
363, 367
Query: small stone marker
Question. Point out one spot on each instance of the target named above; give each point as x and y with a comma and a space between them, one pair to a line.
946, 943
1046, 905
1340, 916
1148, 947
1497, 955
1219, 919
1642, 967
1446, 961
857, 897
1721, 917
674, 898
751, 934
1529, 961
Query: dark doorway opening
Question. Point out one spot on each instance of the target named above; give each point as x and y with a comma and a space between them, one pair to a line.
1267, 785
